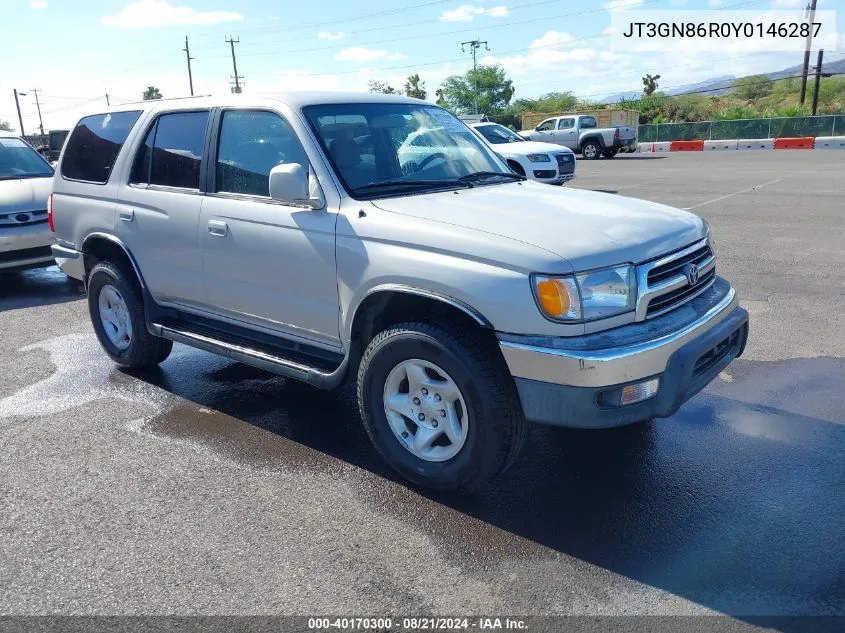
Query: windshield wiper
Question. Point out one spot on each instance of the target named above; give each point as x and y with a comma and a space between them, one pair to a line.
480, 175
387, 184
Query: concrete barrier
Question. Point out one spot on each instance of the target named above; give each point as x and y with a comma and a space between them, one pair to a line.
686, 146
800, 142
755, 143
715, 146
644, 148
830, 142
663, 146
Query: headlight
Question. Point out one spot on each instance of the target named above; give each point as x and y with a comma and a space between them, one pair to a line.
587, 296
539, 158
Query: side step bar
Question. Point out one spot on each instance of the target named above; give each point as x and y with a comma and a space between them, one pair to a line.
256, 358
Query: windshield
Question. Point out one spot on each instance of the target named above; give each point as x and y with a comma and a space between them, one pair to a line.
498, 134
19, 160
381, 149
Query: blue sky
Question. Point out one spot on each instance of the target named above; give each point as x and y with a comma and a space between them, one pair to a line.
77, 51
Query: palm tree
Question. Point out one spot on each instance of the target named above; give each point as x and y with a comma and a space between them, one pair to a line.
415, 88
152, 93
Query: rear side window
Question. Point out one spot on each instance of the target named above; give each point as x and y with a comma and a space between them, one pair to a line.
588, 122
94, 145
172, 151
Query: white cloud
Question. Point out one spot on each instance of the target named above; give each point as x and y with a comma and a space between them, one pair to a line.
153, 13
360, 54
38, 4
553, 38
613, 5
610, 30
326, 35
466, 12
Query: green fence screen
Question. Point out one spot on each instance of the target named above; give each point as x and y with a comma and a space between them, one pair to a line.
833, 125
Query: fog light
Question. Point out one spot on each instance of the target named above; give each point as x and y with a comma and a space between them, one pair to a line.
631, 394
639, 392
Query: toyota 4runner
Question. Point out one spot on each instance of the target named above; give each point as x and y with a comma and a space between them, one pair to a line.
297, 235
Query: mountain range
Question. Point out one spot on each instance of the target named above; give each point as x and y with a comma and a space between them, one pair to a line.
722, 85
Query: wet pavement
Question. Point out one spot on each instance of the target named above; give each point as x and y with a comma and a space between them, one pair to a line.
210, 487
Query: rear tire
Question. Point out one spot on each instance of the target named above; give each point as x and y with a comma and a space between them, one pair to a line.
590, 150
117, 314
468, 370
610, 152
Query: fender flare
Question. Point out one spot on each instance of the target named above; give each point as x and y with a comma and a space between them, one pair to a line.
592, 137
118, 242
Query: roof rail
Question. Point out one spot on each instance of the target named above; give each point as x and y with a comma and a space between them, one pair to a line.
161, 99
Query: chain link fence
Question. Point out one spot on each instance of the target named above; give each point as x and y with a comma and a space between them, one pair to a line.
831, 125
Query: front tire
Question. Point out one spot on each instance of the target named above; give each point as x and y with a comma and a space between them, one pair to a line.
117, 314
591, 150
440, 406
516, 168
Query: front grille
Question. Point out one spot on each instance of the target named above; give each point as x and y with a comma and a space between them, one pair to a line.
25, 253
674, 298
23, 218
565, 163
675, 267
708, 360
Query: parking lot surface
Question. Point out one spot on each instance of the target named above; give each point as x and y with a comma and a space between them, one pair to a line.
211, 487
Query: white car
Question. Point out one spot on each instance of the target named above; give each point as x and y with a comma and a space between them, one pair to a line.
543, 162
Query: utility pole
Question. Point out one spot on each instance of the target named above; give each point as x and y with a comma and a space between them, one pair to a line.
236, 89
818, 81
18, 106
107, 100
40, 121
807, 45
474, 45
188, 55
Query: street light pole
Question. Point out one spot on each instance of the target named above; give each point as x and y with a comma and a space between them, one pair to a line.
18, 106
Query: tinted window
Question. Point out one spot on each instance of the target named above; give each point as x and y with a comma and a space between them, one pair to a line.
588, 122
545, 126
177, 149
252, 142
564, 124
94, 145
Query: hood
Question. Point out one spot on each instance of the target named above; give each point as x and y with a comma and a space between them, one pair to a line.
587, 228
25, 194
530, 147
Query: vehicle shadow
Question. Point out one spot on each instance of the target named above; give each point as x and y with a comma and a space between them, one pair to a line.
734, 503
40, 286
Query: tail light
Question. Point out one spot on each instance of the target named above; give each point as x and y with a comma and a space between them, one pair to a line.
616, 134
50, 213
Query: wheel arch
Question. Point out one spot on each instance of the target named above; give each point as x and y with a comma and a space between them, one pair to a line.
593, 137
106, 247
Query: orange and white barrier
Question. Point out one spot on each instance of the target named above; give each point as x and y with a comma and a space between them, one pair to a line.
799, 142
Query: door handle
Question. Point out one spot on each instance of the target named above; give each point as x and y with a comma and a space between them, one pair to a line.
127, 216
218, 228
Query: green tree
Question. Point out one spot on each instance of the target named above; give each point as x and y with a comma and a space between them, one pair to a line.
650, 84
152, 93
492, 85
752, 87
383, 87
415, 88
441, 100
4, 126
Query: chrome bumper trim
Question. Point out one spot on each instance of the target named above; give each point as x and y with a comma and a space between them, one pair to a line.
614, 365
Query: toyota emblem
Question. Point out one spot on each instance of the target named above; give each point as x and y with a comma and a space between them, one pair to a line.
691, 271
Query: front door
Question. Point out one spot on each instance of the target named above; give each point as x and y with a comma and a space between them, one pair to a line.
267, 264
545, 131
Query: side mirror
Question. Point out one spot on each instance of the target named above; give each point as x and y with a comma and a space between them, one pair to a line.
289, 183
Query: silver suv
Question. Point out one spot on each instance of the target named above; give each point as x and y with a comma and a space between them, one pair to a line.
303, 236
25, 181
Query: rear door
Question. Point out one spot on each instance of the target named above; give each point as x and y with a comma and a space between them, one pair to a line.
268, 264
159, 208
567, 133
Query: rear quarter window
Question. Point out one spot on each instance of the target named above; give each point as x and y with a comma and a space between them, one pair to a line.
94, 144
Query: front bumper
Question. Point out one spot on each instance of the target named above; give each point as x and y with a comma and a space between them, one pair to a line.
563, 381
26, 246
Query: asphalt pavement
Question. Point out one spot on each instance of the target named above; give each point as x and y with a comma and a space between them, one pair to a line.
209, 487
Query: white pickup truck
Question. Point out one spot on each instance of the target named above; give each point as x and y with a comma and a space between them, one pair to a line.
580, 133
